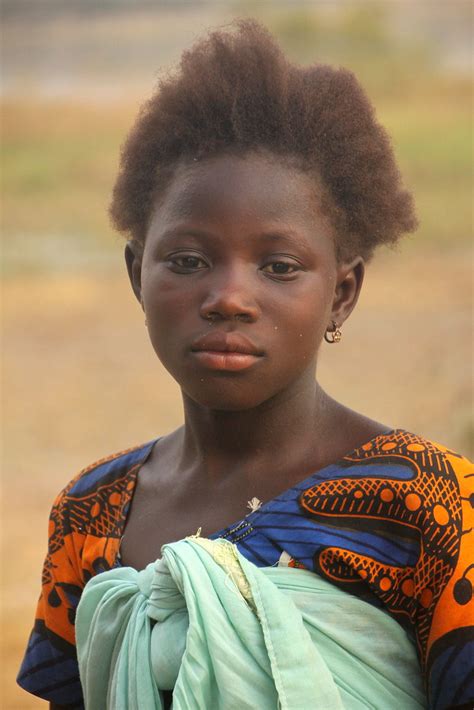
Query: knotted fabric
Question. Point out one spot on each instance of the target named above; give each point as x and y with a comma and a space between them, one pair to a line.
227, 635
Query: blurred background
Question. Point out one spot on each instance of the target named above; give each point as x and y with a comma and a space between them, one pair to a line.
79, 377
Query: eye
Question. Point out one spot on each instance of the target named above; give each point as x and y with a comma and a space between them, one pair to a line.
280, 269
186, 263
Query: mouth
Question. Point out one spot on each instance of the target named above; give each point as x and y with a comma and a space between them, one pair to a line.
225, 351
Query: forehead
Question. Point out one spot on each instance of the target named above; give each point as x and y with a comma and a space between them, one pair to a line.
251, 187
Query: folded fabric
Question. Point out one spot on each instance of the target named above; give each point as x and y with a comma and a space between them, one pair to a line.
227, 635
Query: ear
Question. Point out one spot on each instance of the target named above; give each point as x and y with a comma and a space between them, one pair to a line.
348, 285
133, 259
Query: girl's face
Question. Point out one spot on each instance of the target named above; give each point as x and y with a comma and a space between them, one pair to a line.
239, 280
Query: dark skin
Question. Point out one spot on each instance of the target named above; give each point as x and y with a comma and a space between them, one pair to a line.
239, 245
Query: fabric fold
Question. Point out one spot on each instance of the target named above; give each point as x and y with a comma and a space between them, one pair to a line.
224, 634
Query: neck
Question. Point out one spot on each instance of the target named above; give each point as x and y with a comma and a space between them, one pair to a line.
279, 433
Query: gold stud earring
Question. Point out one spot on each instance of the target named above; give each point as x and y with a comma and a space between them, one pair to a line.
333, 333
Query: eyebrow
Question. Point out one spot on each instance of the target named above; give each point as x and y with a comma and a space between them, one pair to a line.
287, 236
185, 232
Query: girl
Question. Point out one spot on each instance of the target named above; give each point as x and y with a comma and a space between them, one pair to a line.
253, 192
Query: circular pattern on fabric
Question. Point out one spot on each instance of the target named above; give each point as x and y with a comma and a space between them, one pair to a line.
385, 584
358, 494
440, 514
386, 495
389, 446
426, 597
416, 447
95, 510
412, 501
408, 587
114, 499
462, 591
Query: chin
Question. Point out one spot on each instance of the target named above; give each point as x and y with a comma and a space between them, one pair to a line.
224, 398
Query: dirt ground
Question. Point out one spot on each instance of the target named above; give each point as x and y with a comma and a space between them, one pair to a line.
81, 381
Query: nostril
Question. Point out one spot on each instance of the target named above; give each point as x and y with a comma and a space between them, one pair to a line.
214, 316
245, 317
211, 317
228, 304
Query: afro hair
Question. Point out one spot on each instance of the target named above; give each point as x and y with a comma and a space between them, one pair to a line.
235, 91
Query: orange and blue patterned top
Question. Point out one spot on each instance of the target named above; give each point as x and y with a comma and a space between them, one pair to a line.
392, 522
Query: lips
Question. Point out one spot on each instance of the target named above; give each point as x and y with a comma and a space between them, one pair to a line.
226, 343
225, 351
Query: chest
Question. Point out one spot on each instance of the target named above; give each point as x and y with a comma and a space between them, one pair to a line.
163, 514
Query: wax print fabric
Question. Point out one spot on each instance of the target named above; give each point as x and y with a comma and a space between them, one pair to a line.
391, 523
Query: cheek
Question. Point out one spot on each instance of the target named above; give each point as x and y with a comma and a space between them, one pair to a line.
165, 323
163, 301
305, 317
168, 310
300, 342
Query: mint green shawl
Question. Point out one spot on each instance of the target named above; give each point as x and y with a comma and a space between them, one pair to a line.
227, 635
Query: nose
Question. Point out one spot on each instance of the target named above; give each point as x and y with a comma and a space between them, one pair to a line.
230, 298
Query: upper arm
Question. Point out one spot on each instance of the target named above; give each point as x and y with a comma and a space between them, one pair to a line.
85, 529
49, 669
448, 571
